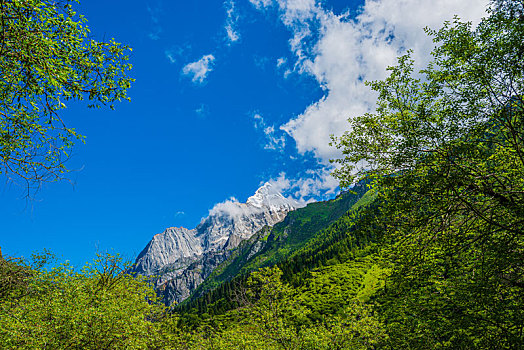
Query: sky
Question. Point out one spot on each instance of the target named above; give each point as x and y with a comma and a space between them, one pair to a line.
229, 94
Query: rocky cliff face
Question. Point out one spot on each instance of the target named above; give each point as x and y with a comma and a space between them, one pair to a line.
180, 259
167, 248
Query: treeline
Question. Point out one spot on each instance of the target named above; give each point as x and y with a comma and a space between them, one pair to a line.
103, 307
99, 307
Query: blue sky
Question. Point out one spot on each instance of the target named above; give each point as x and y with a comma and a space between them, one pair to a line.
228, 95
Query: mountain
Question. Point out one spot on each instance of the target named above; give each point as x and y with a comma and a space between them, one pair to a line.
180, 259
303, 233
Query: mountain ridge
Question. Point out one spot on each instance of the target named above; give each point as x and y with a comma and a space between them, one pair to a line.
179, 259
270, 246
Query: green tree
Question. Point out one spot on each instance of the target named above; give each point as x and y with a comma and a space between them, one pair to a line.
271, 316
14, 276
355, 327
445, 148
47, 58
99, 307
270, 307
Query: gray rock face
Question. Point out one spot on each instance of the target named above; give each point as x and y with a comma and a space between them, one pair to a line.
166, 249
181, 259
179, 287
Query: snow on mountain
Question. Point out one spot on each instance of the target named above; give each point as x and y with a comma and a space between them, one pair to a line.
183, 258
268, 196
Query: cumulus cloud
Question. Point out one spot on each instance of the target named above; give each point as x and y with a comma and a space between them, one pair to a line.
341, 53
199, 70
231, 20
231, 207
281, 183
316, 184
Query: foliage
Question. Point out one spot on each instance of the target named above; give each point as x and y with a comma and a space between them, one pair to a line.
15, 275
47, 58
267, 320
445, 153
269, 306
100, 307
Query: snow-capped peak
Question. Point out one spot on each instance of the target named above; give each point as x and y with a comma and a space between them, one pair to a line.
268, 196
174, 254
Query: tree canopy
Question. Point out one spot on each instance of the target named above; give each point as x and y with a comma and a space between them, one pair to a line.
48, 58
474, 76
445, 150
98, 307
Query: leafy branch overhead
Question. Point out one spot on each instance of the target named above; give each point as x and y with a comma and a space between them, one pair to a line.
47, 58
474, 74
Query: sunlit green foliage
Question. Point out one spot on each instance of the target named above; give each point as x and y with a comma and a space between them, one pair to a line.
446, 155
268, 318
99, 307
47, 58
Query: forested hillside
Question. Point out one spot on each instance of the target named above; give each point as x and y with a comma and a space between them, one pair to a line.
427, 252
277, 244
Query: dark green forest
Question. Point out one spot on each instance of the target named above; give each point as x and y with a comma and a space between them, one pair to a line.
426, 251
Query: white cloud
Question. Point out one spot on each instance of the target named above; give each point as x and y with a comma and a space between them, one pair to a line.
259, 120
274, 139
261, 3
170, 56
275, 143
281, 61
230, 207
269, 130
231, 33
341, 53
316, 184
281, 183
231, 20
199, 70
